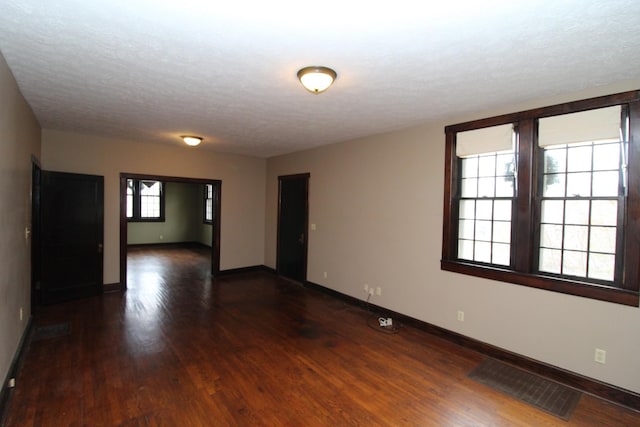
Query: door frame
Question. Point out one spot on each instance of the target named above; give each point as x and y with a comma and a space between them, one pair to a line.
215, 229
36, 177
306, 176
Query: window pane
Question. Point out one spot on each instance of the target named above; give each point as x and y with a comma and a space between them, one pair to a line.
502, 210
574, 263
579, 159
502, 232
602, 266
150, 188
577, 212
603, 239
501, 254
505, 165
604, 212
551, 236
606, 157
550, 260
605, 183
553, 185
465, 249
129, 206
470, 167
484, 209
467, 209
576, 237
579, 184
553, 211
505, 186
486, 187
483, 251
465, 229
149, 207
469, 187
487, 166
483, 230
555, 160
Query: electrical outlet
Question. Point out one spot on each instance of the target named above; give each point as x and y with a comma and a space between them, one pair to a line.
600, 356
379, 291
460, 316
325, 274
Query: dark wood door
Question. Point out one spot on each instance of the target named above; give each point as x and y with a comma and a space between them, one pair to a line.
293, 218
71, 235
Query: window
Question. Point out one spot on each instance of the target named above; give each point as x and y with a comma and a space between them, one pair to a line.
208, 203
558, 208
145, 200
487, 190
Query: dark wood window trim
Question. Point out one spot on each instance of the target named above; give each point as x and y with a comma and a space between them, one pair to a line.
137, 202
523, 271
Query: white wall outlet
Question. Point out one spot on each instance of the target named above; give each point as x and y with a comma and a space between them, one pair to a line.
600, 356
313, 227
161, 237
325, 274
460, 316
379, 291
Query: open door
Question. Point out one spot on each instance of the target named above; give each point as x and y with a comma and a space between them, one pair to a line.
293, 219
71, 236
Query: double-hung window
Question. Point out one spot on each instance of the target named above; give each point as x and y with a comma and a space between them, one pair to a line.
145, 200
582, 194
548, 198
486, 196
208, 204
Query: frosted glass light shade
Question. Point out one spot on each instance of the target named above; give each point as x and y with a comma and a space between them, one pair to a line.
316, 79
192, 140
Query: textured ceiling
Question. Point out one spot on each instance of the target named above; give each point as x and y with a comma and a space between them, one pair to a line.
152, 70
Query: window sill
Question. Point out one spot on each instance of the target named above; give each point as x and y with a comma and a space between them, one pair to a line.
582, 289
145, 219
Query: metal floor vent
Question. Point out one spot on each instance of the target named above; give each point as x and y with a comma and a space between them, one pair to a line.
549, 396
52, 331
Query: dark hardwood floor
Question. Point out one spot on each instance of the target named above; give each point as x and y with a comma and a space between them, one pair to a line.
180, 349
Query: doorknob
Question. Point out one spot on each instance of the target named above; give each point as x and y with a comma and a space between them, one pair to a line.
99, 248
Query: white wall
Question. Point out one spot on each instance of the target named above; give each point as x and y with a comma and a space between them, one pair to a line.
377, 205
243, 197
19, 140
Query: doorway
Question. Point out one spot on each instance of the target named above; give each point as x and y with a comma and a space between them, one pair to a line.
293, 220
215, 229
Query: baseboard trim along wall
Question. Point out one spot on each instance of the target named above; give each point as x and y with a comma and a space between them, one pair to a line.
6, 391
587, 385
111, 287
251, 269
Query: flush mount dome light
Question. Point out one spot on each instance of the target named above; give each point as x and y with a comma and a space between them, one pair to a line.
192, 140
316, 79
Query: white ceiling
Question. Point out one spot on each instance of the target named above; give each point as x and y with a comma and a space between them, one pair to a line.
152, 70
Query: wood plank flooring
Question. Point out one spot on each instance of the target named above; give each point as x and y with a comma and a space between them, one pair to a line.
180, 349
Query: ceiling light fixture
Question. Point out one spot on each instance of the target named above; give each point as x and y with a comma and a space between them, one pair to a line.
316, 79
192, 140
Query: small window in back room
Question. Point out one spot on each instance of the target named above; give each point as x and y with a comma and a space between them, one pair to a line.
145, 200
